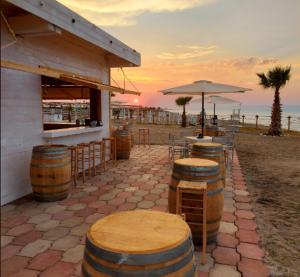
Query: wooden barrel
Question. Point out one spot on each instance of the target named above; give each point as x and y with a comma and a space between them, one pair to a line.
123, 144
50, 172
211, 131
211, 151
194, 169
139, 243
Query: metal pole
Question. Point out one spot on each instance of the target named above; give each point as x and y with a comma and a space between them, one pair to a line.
289, 123
256, 124
202, 123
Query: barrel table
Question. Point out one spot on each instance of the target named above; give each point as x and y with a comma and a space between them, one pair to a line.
123, 143
211, 151
200, 170
139, 243
50, 172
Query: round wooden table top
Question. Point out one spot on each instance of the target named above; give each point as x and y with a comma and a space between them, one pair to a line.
139, 231
196, 162
208, 144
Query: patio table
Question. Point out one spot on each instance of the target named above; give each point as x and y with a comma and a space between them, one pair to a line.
196, 139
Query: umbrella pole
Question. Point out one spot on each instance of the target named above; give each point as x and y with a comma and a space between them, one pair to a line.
202, 114
214, 120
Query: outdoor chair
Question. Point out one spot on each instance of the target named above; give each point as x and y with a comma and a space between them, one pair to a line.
177, 147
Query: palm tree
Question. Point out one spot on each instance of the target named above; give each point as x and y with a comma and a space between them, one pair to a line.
276, 78
182, 101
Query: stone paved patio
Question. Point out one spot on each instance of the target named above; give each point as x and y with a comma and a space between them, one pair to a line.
47, 239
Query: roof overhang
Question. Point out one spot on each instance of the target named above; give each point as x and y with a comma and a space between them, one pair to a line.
65, 19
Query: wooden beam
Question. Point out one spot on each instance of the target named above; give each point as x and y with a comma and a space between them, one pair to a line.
66, 76
30, 25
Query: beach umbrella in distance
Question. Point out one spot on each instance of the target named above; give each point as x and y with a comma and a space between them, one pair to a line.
216, 99
202, 88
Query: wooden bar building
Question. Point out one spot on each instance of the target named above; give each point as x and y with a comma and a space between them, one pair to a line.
50, 52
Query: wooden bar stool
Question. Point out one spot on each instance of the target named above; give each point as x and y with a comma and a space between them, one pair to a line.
97, 156
80, 161
144, 136
87, 155
183, 206
109, 143
73, 151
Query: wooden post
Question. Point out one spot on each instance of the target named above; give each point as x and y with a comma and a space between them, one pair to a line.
256, 123
243, 116
289, 123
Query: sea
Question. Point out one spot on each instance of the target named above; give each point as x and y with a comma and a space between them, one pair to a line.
250, 112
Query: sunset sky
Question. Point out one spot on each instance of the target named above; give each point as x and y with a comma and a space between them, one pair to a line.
224, 41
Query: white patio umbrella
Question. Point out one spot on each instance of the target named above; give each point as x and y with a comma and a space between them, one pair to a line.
216, 99
203, 87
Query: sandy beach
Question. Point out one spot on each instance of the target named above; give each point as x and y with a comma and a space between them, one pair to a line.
271, 166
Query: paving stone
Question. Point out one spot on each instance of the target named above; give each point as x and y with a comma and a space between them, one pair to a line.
229, 208
141, 192
74, 255
134, 199
80, 194
55, 209
90, 189
226, 255
159, 208
242, 199
63, 215
246, 224
250, 267
244, 214
65, 243
251, 251
5, 240
122, 186
145, 204
227, 240
157, 191
68, 202
71, 222
227, 227
165, 194
243, 206
28, 237
221, 270
241, 192
9, 251
14, 221
79, 230
151, 197
202, 274
228, 217
21, 229
124, 194
228, 194
116, 191
248, 236
77, 207
85, 212
116, 201
107, 209
97, 204
39, 218
162, 202
32, 211
47, 225
7, 208
44, 260
34, 248
162, 186
209, 262
27, 273
127, 207
56, 233
61, 269
228, 188
93, 218
11, 266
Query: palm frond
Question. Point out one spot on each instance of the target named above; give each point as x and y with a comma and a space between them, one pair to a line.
182, 101
263, 80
